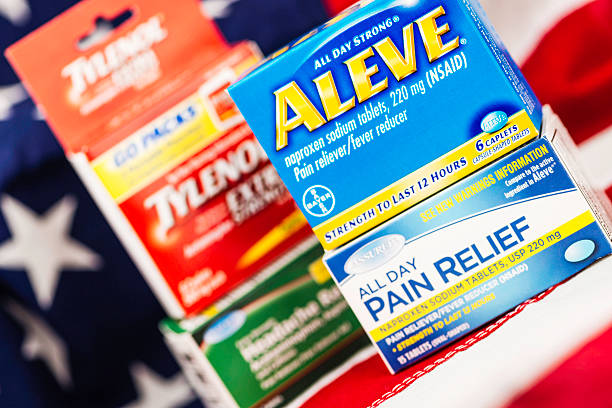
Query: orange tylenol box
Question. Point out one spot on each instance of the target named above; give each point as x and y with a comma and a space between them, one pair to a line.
144, 118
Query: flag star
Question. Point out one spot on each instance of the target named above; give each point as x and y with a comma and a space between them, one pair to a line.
42, 246
41, 342
155, 391
37, 114
217, 8
16, 11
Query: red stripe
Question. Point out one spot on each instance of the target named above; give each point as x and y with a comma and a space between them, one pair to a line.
369, 383
334, 7
571, 69
581, 381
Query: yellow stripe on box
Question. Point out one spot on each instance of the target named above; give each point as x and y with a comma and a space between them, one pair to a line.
481, 276
287, 227
467, 151
211, 311
148, 164
318, 271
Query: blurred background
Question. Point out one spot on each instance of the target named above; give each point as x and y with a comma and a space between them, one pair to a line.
78, 325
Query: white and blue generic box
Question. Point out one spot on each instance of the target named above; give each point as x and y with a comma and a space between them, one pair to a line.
470, 253
383, 106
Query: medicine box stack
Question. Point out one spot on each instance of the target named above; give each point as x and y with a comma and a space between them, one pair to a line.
411, 142
146, 121
458, 259
271, 339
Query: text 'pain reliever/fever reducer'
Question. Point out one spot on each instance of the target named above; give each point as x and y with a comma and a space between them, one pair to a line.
385, 105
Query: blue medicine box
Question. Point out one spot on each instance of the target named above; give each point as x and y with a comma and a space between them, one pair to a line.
385, 105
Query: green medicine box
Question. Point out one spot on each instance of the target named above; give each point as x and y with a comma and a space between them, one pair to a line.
270, 339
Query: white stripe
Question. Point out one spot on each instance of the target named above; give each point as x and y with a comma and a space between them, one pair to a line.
493, 371
10, 95
596, 157
522, 23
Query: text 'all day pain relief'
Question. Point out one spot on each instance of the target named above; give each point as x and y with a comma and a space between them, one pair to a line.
472, 252
383, 106
144, 117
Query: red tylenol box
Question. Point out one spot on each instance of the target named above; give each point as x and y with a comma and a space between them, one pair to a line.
143, 116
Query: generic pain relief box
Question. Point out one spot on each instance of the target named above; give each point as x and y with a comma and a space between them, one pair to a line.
470, 253
383, 106
271, 339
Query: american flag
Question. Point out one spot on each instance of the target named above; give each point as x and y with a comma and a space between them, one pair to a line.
78, 325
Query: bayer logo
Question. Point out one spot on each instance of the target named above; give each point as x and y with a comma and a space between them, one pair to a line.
318, 201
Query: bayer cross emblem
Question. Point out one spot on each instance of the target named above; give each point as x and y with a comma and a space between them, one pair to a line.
318, 201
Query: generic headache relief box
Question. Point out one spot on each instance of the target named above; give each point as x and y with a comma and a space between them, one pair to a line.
472, 252
385, 105
271, 339
145, 119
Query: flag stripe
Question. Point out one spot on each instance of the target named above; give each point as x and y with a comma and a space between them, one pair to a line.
521, 23
580, 381
571, 69
595, 155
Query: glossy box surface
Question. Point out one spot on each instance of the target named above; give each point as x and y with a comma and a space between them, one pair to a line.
271, 338
467, 255
384, 106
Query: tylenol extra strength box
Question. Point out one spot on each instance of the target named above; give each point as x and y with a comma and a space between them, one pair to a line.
145, 119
